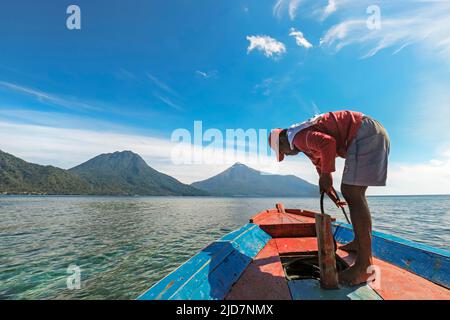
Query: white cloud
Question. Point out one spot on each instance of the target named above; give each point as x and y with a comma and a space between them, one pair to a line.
429, 114
311, 8
428, 177
162, 85
48, 98
168, 102
293, 6
167, 91
269, 46
206, 74
338, 35
72, 102
431, 177
300, 39
59, 119
201, 73
290, 5
425, 23
66, 148
277, 8
329, 9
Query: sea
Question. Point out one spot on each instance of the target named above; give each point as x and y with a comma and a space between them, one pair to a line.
77, 247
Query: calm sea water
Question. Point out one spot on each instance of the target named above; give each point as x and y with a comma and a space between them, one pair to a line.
123, 245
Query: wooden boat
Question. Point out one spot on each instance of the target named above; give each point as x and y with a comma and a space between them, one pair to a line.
276, 256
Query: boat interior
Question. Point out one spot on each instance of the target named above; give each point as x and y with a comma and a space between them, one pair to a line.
276, 256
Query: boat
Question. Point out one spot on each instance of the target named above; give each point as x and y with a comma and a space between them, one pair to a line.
281, 254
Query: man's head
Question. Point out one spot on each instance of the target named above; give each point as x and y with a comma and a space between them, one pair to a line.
279, 143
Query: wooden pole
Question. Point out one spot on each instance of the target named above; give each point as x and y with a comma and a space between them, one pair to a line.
280, 208
327, 257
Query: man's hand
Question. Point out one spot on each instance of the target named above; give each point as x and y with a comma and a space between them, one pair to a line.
326, 182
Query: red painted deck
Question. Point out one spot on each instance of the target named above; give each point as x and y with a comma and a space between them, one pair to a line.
399, 284
279, 224
295, 245
264, 279
293, 232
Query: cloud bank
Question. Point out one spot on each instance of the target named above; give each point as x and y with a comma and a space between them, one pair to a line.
300, 39
269, 46
66, 148
401, 24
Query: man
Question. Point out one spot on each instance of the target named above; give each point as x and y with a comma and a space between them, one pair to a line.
364, 143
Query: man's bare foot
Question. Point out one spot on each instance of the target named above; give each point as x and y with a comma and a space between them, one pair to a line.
354, 275
351, 246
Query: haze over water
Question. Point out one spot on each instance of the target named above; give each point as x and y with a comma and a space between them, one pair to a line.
124, 244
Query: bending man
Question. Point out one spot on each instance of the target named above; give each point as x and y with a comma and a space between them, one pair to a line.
364, 143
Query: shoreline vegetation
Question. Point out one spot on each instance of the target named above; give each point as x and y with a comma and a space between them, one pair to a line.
39, 194
125, 173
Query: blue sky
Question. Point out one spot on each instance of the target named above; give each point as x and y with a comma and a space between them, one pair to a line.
144, 68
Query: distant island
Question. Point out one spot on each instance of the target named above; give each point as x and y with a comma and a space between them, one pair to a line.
240, 180
125, 173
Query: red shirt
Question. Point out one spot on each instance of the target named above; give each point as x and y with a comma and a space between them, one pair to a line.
329, 138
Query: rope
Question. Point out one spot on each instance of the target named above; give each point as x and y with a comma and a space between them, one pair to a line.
337, 201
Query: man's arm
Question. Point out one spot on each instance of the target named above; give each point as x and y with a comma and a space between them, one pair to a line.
326, 146
326, 182
321, 150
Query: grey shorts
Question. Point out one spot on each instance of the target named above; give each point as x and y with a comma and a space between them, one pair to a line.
367, 156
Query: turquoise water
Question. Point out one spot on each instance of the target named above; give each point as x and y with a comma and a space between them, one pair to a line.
123, 245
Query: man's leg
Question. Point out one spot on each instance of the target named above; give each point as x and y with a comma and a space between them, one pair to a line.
362, 226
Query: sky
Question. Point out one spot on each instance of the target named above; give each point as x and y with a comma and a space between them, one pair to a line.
138, 70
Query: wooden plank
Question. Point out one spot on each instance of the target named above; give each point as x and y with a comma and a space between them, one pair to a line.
398, 284
299, 219
280, 208
327, 259
290, 230
287, 246
286, 225
215, 283
428, 262
300, 212
278, 223
212, 271
304, 213
262, 215
310, 289
347, 257
264, 278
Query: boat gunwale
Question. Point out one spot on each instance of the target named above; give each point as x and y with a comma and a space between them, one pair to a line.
338, 226
392, 238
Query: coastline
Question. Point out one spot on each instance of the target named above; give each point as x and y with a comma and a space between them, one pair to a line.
4, 195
